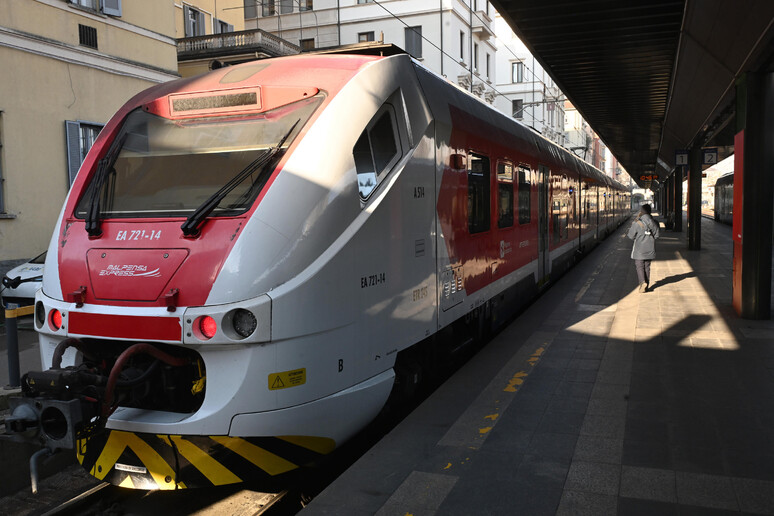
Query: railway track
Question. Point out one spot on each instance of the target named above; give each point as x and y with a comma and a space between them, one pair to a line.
108, 500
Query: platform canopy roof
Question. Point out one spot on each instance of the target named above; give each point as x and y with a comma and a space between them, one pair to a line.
650, 76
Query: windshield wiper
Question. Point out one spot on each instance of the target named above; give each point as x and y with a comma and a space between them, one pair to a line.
92, 213
192, 226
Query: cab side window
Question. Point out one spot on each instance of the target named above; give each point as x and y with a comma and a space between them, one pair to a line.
377, 150
478, 193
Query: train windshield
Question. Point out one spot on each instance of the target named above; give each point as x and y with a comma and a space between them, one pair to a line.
168, 168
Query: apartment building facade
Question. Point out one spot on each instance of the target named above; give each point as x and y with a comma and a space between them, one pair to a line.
452, 38
69, 66
525, 91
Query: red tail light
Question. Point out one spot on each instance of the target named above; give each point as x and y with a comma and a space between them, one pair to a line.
55, 320
207, 326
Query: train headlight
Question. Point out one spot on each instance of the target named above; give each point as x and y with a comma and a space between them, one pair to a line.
244, 322
40, 315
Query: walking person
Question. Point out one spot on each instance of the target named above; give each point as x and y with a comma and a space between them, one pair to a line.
644, 232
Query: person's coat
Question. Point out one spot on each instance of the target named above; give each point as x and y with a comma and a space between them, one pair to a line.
644, 232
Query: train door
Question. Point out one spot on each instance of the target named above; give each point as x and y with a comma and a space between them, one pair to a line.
543, 265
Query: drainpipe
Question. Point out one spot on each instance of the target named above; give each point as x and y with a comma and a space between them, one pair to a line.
440, 17
470, 27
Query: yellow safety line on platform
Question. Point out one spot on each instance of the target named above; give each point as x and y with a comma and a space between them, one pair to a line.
12, 313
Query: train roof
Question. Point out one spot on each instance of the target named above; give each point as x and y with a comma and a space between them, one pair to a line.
510, 127
725, 179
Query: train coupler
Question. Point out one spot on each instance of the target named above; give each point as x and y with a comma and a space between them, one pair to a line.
52, 423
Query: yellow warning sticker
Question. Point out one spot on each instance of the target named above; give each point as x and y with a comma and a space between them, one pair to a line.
287, 379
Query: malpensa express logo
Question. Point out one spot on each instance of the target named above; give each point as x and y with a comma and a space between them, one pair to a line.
133, 271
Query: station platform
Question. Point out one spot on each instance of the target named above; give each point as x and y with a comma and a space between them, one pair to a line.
596, 400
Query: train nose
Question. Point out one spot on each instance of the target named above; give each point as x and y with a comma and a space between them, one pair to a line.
133, 274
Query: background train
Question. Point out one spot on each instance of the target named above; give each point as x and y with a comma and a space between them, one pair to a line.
724, 199
251, 261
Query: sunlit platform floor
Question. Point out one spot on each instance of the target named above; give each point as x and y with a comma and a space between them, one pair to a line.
597, 400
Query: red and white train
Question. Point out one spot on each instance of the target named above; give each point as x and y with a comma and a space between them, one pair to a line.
249, 259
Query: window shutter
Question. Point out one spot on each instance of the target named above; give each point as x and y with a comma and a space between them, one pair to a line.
111, 7
73, 133
187, 22
200, 24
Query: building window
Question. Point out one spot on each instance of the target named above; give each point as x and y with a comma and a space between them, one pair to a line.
286, 6
221, 27
364, 1
517, 72
487, 67
194, 22
306, 44
462, 46
305, 5
251, 9
80, 138
87, 36
414, 41
517, 108
109, 7
362, 37
475, 56
478, 193
268, 8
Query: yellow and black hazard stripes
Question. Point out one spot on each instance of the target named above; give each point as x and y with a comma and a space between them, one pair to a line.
214, 471
149, 461
115, 456
266, 460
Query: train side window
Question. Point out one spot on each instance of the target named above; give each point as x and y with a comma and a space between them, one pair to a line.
556, 221
525, 194
504, 194
478, 193
377, 150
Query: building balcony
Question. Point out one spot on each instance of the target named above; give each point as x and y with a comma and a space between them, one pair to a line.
482, 25
255, 41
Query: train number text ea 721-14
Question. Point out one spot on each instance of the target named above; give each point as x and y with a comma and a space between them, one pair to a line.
373, 280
